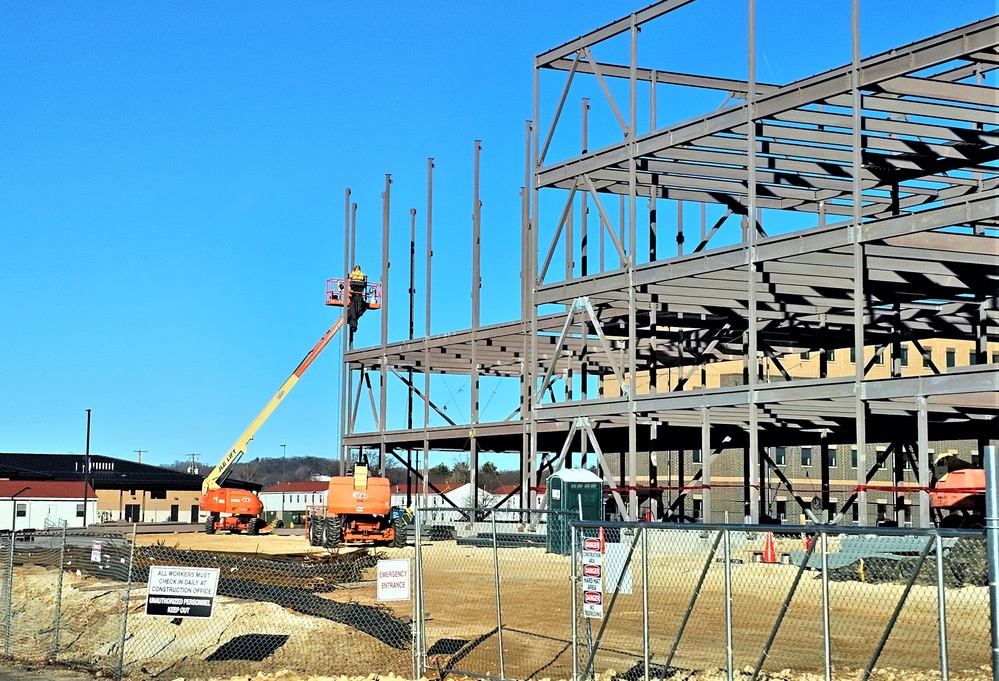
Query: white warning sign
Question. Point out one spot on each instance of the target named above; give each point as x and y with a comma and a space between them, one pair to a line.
393, 580
592, 577
181, 591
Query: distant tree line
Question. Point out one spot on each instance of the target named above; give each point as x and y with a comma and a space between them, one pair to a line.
271, 471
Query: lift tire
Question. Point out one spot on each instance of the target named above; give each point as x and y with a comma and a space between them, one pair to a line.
401, 530
314, 531
210, 523
331, 533
253, 527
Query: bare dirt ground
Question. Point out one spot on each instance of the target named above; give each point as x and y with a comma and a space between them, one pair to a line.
264, 544
535, 594
264, 640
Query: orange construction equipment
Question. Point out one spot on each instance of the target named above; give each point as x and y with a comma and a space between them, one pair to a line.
769, 552
358, 511
958, 493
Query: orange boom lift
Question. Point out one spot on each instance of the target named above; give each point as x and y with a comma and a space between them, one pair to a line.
238, 510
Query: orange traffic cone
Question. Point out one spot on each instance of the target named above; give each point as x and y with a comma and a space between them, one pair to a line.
769, 553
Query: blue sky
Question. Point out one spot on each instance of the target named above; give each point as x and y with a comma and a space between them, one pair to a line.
171, 190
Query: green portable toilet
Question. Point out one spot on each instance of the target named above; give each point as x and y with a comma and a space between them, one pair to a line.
569, 490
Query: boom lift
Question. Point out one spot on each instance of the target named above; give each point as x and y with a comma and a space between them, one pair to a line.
358, 511
237, 510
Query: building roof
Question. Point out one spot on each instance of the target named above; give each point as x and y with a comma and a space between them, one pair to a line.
298, 487
44, 489
575, 475
105, 472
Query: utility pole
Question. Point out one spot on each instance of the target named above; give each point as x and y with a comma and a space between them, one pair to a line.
86, 472
193, 468
140, 453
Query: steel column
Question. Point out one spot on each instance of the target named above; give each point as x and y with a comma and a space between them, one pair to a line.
383, 387
860, 407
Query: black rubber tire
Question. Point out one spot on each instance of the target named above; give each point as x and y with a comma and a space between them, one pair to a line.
315, 531
210, 523
253, 527
331, 533
401, 532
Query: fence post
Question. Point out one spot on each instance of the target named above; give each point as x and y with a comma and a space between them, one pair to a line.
826, 636
499, 609
645, 600
58, 602
124, 615
574, 580
729, 653
941, 611
992, 548
9, 589
419, 650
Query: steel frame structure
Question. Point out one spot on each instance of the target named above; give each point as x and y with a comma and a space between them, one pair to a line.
894, 158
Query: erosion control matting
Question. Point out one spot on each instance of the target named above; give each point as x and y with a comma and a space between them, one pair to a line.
293, 586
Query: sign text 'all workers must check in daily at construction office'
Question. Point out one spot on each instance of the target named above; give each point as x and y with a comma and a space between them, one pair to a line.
181, 591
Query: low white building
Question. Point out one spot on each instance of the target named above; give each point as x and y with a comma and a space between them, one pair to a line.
41, 504
290, 501
459, 495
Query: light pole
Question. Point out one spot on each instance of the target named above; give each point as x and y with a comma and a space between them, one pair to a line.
284, 468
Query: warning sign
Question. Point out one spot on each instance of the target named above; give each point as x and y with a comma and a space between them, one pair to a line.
181, 591
393, 580
593, 578
95, 552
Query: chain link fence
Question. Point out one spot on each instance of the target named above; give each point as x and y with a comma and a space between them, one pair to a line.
672, 602
495, 594
513, 594
80, 599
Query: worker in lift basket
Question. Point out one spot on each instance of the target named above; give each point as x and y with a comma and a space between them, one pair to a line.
357, 304
357, 279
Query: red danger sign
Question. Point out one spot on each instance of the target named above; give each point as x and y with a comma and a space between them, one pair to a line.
591, 544
594, 597
591, 570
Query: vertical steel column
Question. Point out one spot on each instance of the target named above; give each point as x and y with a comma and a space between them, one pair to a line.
383, 387
941, 611
706, 464
353, 399
426, 335
533, 220
124, 614
344, 392
526, 500
826, 639
499, 607
632, 257
476, 289
992, 547
584, 371
645, 602
753, 473
729, 649
923, 459
58, 601
858, 274
412, 329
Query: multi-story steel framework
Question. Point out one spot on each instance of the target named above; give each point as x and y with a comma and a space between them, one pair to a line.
889, 160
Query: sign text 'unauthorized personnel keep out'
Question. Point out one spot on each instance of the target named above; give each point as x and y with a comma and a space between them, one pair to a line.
181, 591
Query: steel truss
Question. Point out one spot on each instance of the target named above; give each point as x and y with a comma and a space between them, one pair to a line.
893, 157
